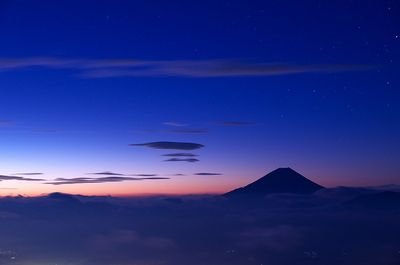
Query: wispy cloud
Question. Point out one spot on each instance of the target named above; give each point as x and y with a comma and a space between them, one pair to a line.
107, 173
68, 181
236, 123
175, 124
191, 160
110, 173
5, 177
207, 174
220, 68
189, 131
45, 130
144, 175
171, 145
106, 68
28, 174
6, 123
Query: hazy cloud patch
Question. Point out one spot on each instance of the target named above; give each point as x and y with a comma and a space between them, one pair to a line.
46, 130
7, 123
171, 145
236, 123
175, 124
279, 237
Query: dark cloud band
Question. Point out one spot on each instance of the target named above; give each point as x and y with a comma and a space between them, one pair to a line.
181, 155
107, 173
171, 145
191, 160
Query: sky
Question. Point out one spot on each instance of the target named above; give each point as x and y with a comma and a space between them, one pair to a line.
149, 97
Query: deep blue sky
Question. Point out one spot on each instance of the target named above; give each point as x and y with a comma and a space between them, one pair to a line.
313, 85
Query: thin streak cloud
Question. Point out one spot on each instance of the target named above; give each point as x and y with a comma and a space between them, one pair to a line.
69, 181
5, 177
107, 173
175, 124
236, 123
107, 68
189, 131
28, 174
207, 174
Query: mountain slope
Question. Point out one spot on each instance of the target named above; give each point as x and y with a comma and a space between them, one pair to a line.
281, 180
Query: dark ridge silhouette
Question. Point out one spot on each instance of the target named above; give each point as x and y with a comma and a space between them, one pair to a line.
281, 180
386, 200
63, 197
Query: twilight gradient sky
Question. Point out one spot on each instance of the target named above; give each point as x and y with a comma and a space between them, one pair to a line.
313, 85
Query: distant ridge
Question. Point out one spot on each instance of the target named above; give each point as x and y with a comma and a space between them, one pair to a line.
281, 180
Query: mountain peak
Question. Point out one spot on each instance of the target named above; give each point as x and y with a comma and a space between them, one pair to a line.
281, 180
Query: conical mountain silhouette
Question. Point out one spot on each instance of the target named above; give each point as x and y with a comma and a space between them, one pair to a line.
281, 180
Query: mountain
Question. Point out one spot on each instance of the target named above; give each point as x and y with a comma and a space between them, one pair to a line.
281, 180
